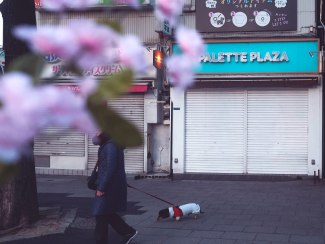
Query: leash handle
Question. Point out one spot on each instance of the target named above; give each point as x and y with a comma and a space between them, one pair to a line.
150, 195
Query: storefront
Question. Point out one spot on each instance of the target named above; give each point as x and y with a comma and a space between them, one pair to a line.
256, 108
131, 107
66, 151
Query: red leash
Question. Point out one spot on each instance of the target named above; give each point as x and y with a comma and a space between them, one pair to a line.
151, 195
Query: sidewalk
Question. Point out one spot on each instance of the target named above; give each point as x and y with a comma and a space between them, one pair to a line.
235, 212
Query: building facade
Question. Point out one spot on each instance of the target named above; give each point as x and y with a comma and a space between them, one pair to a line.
256, 106
66, 151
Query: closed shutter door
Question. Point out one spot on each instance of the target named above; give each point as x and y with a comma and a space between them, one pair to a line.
214, 131
92, 152
277, 137
58, 141
130, 107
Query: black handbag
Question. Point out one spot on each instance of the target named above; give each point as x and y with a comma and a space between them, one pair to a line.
91, 180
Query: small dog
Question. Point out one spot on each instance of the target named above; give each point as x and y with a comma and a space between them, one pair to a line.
177, 212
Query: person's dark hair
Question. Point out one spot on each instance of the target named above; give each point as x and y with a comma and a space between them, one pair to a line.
103, 138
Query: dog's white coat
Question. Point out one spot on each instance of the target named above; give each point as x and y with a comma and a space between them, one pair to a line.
190, 208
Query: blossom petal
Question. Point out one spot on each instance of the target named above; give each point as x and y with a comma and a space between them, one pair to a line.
190, 42
180, 71
132, 53
169, 10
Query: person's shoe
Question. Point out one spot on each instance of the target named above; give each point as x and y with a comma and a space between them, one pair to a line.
129, 237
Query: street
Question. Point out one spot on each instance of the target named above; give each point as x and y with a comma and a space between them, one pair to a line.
235, 212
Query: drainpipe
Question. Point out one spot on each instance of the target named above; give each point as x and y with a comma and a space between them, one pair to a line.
171, 174
321, 36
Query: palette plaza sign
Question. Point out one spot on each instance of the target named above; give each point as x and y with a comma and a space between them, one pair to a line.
282, 56
246, 15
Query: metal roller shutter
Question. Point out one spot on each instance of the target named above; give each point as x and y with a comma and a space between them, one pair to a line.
132, 108
214, 131
249, 131
58, 141
92, 152
277, 131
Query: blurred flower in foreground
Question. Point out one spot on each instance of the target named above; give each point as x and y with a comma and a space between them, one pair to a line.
181, 67
132, 54
190, 42
180, 71
74, 43
169, 10
87, 86
60, 5
92, 40
26, 109
49, 40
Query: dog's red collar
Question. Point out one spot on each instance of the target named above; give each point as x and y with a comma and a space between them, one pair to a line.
177, 212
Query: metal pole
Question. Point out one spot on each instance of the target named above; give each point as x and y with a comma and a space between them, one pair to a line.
171, 140
314, 177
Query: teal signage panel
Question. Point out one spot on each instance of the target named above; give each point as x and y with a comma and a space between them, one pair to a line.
260, 57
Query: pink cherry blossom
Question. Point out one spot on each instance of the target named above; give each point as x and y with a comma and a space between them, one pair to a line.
26, 109
169, 10
87, 86
132, 53
92, 47
20, 117
65, 108
180, 71
190, 42
49, 40
60, 5
73, 42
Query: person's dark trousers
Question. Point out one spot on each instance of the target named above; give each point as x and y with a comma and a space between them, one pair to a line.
113, 219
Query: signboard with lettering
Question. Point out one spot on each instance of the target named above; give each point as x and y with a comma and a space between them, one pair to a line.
55, 67
101, 3
166, 28
282, 56
246, 15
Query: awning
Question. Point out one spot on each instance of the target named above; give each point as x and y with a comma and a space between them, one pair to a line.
138, 88
256, 81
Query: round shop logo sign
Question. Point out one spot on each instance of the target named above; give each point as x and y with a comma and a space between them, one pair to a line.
262, 18
217, 19
239, 19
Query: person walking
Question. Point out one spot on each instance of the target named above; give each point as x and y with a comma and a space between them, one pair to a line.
111, 193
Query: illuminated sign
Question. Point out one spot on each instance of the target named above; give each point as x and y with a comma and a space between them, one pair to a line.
245, 57
282, 56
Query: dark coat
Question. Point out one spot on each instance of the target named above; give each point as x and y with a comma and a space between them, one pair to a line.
111, 180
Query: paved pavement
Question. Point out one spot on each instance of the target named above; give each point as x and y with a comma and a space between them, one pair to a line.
235, 212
